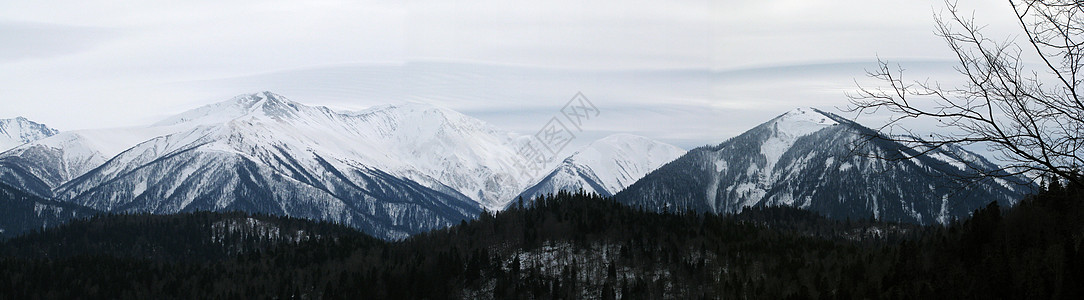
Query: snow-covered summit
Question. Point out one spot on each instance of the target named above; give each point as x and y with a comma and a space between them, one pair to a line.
18, 131
786, 129
430, 143
265, 103
619, 160
802, 121
606, 166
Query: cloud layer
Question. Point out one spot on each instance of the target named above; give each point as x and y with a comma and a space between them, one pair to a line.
687, 72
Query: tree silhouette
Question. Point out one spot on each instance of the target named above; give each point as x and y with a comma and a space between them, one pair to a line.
1032, 117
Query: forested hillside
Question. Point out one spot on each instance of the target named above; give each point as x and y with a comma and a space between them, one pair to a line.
567, 246
22, 212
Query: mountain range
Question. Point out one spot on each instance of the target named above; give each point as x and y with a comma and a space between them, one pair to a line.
396, 170
389, 170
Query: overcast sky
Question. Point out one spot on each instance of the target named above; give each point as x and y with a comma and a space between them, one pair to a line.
687, 72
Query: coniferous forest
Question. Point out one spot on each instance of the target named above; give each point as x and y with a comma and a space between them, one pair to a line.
564, 246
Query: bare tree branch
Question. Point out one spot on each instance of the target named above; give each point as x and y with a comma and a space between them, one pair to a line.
1033, 118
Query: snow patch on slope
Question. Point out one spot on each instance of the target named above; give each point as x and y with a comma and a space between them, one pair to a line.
787, 128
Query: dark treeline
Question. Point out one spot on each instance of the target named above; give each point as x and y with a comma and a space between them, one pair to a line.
566, 246
187, 237
1030, 251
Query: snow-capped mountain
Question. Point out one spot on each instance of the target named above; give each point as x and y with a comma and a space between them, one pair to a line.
18, 131
822, 162
436, 147
606, 166
389, 170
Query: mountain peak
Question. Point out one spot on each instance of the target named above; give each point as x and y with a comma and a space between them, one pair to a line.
20, 130
270, 103
623, 138
606, 166
809, 115
624, 145
276, 106
803, 121
263, 103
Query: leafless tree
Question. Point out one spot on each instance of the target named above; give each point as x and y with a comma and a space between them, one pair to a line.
1030, 115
